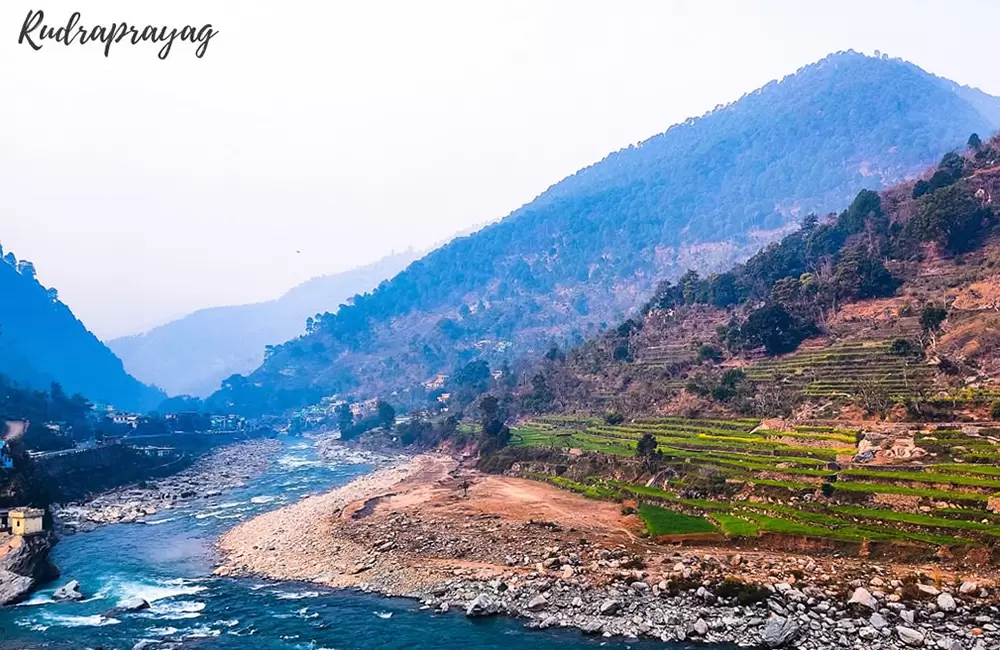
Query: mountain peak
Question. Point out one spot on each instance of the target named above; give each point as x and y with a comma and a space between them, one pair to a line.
703, 194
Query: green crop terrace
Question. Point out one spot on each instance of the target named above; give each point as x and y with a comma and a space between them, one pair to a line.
803, 478
839, 370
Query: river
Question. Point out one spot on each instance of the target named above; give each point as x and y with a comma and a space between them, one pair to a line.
169, 563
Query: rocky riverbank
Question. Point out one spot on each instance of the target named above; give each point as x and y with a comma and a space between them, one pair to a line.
224, 469
330, 448
455, 539
24, 564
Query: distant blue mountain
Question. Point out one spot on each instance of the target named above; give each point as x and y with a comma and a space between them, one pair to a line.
41, 341
193, 354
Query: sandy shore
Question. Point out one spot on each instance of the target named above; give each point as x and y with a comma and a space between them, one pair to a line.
431, 529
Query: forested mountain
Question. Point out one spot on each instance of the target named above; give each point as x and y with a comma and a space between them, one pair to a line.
193, 354
897, 296
704, 194
41, 342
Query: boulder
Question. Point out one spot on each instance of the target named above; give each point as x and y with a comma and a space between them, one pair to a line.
481, 605
592, 626
610, 607
909, 636
14, 587
878, 621
133, 604
69, 591
779, 632
537, 603
863, 597
928, 590
700, 627
946, 603
968, 588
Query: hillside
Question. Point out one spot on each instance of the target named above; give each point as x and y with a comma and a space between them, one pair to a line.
889, 308
193, 354
41, 341
837, 394
702, 195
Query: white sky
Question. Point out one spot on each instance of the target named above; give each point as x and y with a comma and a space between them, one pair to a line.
144, 189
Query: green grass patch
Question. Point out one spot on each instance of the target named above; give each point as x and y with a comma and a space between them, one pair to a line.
918, 519
660, 521
734, 526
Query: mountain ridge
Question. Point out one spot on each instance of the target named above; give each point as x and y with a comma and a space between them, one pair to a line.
192, 354
705, 193
42, 341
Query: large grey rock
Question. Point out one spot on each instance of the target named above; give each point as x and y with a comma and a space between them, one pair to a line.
779, 631
700, 627
946, 603
909, 636
863, 597
929, 590
878, 621
14, 587
592, 626
481, 605
968, 587
610, 607
69, 591
537, 603
133, 604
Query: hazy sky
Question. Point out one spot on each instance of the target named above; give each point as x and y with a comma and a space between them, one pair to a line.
317, 136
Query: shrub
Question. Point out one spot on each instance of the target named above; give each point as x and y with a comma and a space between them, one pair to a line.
646, 447
948, 367
709, 353
902, 348
774, 329
613, 417
931, 317
995, 410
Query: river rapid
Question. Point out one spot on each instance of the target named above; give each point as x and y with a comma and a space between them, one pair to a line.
169, 560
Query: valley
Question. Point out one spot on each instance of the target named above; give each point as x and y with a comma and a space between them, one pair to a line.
736, 385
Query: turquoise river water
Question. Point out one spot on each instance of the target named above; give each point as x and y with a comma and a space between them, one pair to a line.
169, 563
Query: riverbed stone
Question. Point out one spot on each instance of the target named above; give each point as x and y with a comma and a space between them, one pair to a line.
779, 632
863, 597
481, 605
909, 636
946, 602
69, 591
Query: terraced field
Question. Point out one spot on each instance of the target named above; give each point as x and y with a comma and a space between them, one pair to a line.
841, 369
740, 480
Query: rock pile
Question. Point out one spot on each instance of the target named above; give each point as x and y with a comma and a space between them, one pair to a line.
224, 469
672, 607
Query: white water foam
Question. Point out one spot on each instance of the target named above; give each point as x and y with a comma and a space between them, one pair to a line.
94, 620
154, 522
295, 595
202, 633
296, 462
157, 591
176, 610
